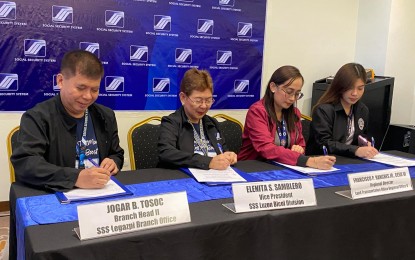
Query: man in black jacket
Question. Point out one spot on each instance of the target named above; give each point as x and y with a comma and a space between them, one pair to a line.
69, 141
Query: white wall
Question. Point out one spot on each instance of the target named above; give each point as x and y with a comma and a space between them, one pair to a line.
372, 34
400, 60
318, 37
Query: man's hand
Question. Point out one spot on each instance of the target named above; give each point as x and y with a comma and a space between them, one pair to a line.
93, 178
110, 165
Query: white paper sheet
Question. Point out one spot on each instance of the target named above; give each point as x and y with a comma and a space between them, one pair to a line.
227, 175
307, 170
109, 189
392, 160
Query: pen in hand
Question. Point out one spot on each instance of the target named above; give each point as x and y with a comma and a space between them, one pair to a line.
220, 148
325, 150
373, 142
93, 162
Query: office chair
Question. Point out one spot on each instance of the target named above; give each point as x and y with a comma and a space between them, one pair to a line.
306, 122
232, 130
11, 144
142, 141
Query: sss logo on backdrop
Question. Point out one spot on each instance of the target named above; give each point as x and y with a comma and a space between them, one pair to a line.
114, 18
162, 23
62, 14
114, 84
183, 56
161, 85
7, 10
227, 3
55, 83
34, 48
9, 82
224, 58
241, 86
92, 47
205, 26
244, 29
138, 53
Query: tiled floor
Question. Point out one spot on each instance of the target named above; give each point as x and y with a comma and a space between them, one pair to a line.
4, 235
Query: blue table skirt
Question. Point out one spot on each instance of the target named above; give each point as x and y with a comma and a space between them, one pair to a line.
46, 209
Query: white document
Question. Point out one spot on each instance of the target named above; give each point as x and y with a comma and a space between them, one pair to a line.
308, 170
109, 189
392, 160
227, 175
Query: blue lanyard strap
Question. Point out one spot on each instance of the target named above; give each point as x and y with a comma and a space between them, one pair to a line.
81, 147
282, 133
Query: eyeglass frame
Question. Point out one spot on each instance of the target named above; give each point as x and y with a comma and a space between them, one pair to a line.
202, 101
294, 94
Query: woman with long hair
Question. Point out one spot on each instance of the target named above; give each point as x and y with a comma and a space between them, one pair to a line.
340, 119
273, 128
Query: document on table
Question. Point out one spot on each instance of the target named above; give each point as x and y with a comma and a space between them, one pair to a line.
112, 188
307, 170
392, 160
227, 175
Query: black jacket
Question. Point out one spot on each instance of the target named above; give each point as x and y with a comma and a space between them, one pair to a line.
175, 145
329, 128
45, 157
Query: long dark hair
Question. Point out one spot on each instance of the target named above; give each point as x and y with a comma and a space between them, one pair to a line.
280, 76
344, 79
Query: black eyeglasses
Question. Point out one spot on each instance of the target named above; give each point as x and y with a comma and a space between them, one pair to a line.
200, 101
292, 93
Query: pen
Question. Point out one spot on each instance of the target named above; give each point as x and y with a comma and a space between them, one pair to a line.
93, 162
220, 148
373, 142
325, 150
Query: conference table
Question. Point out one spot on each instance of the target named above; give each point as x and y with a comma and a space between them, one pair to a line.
381, 227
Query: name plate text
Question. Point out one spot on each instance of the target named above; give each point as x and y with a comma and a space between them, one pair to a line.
257, 196
121, 216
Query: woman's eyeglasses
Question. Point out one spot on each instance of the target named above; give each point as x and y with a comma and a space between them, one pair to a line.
200, 101
292, 93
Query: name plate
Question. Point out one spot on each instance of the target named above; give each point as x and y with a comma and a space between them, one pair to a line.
122, 216
375, 183
257, 196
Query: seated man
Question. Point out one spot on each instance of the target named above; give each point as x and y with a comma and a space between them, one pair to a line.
69, 141
189, 137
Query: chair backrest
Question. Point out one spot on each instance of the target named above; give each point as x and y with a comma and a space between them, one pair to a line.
305, 122
232, 130
142, 143
11, 144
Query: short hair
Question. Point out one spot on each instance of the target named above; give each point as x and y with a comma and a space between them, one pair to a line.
82, 62
195, 79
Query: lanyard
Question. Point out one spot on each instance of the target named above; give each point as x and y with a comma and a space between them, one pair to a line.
350, 121
282, 133
81, 148
200, 140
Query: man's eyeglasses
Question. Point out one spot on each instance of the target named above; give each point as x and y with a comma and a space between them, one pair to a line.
292, 93
200, 101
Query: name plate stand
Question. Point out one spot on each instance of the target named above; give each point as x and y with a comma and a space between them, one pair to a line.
376, 183
257, 196
122, 216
